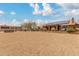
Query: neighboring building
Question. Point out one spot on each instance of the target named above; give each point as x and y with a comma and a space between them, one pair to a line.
61, 25
6, 28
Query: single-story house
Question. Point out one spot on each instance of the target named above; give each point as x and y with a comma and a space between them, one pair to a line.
61, 25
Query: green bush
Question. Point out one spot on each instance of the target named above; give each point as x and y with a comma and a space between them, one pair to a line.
70, 30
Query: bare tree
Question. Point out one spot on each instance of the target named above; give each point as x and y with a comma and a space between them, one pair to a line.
29, 26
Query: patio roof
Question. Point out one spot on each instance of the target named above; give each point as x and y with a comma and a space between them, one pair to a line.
58, 22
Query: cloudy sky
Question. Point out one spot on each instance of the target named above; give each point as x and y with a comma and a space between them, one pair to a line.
11, 13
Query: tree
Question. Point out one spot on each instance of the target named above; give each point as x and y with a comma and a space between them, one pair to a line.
29, 26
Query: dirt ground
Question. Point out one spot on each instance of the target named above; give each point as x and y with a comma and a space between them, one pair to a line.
39, 43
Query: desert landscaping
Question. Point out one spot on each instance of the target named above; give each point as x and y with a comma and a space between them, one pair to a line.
39, 44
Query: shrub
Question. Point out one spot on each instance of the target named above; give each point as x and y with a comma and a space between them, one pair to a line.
70, 30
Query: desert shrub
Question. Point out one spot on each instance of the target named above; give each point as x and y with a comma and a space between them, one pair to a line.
70, 30
8, 31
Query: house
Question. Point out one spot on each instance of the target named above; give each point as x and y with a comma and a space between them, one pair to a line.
7, 28
61, 25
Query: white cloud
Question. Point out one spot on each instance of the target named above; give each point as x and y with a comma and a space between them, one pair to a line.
1, 12
45, 11
70, 5
73, 12
32, 5
70, 9
36, 9
13, 13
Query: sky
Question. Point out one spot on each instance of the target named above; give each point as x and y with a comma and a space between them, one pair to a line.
17, 13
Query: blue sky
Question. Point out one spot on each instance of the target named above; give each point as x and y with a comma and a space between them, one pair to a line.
16, 13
